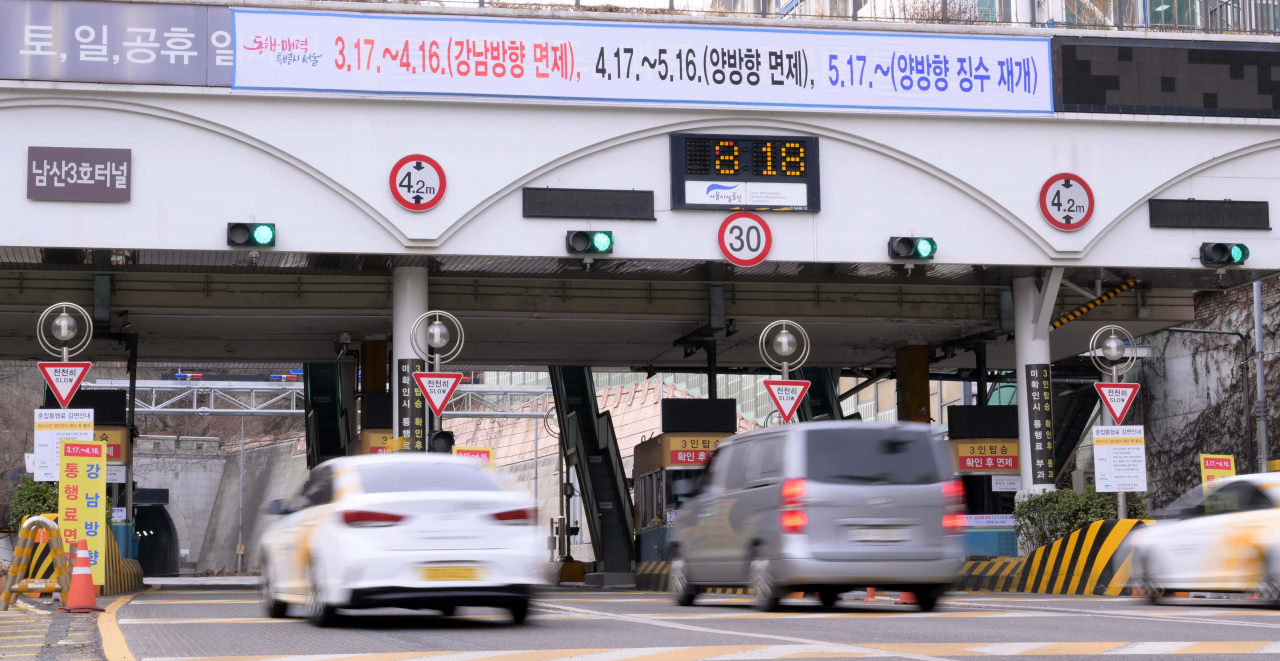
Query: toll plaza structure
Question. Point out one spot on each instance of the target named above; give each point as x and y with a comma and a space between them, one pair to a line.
267, 182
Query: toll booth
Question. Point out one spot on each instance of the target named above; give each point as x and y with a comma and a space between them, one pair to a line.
691, 429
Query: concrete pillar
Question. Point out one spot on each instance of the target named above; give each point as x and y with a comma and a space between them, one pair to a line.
1032, 311
408, 302
912, 366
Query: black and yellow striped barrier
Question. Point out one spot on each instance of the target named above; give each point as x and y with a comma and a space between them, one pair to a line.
1092, 560
995, 575
123, 574
652, 576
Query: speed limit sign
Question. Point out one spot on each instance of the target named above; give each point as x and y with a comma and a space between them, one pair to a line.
745, 239
417, 182
1066, 202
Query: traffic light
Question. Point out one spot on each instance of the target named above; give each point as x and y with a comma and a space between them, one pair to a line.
441, 441
1223, 254
589, 243
912, 247
251, 235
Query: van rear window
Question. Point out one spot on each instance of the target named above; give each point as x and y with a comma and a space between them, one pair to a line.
846, 456
424, 476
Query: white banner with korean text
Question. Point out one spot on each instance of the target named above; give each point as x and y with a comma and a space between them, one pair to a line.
634, 63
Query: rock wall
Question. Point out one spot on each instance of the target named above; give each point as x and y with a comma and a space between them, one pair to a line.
1192, 395
272, 469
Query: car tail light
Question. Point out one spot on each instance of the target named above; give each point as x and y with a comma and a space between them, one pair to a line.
795, 522
793, 519
955, 513
526, 515
365, 519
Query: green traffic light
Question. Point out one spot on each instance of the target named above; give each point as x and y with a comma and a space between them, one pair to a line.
602, 241
264, 235
925, 248
1237, 253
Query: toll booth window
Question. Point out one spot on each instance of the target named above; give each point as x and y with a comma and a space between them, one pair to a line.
845, 456
423, 476
697, 157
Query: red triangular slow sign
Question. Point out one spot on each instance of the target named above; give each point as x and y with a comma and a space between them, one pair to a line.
1117, 397
64, 379
438, 388
786, 395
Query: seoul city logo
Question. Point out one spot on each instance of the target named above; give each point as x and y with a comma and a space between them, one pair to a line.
725, 194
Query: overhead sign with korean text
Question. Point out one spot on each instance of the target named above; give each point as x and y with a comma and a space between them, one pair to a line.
688, 450
73, 174
986, 456
641, 63
745, 172
115, 42
1119, 459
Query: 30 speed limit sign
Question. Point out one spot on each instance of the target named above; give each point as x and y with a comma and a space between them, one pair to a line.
745, 239
417, 182
1066, 201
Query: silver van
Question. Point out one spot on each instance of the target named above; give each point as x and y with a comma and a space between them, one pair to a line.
822, 507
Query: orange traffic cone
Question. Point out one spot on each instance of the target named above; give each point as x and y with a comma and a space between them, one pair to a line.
871, 595
904, 598
83, 596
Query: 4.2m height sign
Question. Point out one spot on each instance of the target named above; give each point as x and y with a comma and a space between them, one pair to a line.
633, 63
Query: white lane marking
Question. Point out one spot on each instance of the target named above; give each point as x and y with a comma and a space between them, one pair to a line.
780, 651
1129, 615
1273, 648
626, 653
1005, 649
1161, 647
744, 634
215, 620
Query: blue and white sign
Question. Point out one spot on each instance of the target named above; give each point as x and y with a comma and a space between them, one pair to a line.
633, 63
746, 193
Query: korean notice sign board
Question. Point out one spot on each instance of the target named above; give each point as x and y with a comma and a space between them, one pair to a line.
986, 456
1040, 424
615, 62
1120, 458
82, 500
688, 450
52, 427
1214, 467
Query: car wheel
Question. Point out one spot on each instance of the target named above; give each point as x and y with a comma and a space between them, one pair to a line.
681, 590
320, 613
829, 597
1268, 590
928, 596
274, 607
519, 611
763, 586
1145, 579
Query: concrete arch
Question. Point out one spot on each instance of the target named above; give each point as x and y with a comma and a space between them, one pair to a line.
212, 127
1181, 177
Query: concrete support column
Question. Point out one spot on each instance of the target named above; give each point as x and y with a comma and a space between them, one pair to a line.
408, 302
1032, 310
912, 366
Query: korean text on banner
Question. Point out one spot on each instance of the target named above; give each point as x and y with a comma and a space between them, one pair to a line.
52, 426
82, 500
1120, 458
641, 64
1214, 467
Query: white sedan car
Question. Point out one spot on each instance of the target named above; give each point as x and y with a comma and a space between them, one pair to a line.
405, 530
1226, 540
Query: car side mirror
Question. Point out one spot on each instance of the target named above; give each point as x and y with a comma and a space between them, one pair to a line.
277, 506
684, 488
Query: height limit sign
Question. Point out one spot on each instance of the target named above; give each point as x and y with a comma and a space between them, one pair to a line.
417, 182
1066, 202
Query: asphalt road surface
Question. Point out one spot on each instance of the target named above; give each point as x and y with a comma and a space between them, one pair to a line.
585, 625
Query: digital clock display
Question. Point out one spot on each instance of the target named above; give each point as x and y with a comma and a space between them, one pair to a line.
752, 172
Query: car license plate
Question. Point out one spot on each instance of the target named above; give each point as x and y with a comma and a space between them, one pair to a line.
450, 573
880, 534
